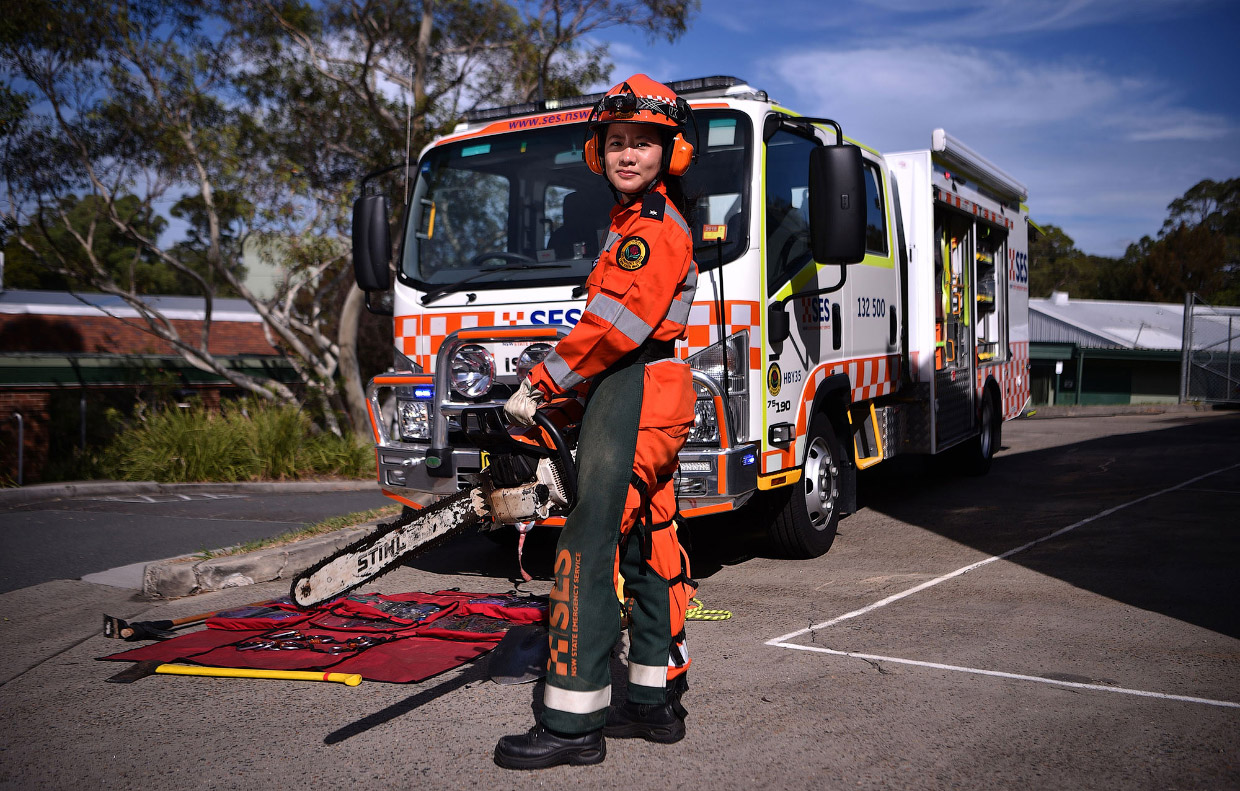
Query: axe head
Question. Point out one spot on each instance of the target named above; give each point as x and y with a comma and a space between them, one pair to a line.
137, 671
138, 630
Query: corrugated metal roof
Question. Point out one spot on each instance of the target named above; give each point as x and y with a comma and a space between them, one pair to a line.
63, 303
1106, 324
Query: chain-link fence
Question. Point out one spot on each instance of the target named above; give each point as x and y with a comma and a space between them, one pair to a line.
1210, 358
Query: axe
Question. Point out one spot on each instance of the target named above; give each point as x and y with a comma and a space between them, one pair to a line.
155, 630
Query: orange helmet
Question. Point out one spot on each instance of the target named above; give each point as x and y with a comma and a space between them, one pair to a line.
641, 100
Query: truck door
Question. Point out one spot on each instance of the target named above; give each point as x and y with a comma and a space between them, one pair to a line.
954, 326
817, 331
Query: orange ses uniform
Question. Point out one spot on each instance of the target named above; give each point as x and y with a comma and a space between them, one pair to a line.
640, 411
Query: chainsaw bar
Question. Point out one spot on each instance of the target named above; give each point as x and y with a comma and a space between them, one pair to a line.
381, 551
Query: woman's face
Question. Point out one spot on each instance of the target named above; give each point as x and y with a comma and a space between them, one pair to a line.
632, 154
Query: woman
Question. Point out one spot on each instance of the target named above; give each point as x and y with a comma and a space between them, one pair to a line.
639, 412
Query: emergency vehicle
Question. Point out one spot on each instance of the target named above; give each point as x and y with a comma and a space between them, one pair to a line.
851, 306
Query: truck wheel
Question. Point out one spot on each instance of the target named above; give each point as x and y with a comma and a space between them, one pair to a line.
980, 450
806, 514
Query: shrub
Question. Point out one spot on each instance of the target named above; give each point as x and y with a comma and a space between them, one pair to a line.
244, 440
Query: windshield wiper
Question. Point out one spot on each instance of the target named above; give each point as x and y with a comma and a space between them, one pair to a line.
450, 288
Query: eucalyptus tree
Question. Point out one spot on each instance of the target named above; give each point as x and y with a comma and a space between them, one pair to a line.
250, 123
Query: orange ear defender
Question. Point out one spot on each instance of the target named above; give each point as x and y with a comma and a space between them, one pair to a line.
594, 160
681, 157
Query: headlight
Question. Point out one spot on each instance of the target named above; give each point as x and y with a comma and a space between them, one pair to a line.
473, 371
705, 421
414, 419
532, 356
710, 361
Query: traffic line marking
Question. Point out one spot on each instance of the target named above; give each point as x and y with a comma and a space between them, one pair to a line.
782, 641
1016, 676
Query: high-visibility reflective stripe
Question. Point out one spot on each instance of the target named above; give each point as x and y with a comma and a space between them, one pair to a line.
612, 238
678, 312
672, 658
617, 315
560, 372
675, 215
576, 702
646, 675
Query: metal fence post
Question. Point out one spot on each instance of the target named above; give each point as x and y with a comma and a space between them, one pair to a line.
1186, 347
21, 444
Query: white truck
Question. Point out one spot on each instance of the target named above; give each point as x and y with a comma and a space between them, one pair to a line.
851, 306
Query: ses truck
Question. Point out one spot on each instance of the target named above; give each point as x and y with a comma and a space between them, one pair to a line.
852, 306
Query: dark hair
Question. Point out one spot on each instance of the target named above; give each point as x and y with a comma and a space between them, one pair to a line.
675, 187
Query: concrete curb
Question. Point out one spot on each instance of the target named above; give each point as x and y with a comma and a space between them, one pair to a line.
42, 492
184, 576
1113, 410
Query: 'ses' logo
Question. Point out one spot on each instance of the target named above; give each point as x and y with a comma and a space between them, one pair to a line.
774, 379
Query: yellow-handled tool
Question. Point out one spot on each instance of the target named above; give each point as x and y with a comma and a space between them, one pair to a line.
151, 667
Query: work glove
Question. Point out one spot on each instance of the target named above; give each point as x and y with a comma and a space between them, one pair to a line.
521, 406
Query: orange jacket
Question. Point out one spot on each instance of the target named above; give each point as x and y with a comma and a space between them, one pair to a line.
642, 287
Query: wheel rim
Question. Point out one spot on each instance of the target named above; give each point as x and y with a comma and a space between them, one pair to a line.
821, 484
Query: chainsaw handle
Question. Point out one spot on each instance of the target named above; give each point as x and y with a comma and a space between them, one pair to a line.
487, 423
567, 466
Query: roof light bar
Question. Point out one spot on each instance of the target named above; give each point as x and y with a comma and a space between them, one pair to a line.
681, 87
963, 158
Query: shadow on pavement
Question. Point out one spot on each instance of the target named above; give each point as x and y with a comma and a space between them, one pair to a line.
1176, 554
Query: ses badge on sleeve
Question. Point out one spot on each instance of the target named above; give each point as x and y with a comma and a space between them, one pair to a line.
633, 254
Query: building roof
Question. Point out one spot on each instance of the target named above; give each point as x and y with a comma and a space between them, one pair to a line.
64, 303
1106, 324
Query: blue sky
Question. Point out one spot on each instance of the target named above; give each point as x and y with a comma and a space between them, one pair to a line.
1106, 109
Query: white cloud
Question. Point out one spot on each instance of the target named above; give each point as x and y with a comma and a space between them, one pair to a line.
966, 19
627, 60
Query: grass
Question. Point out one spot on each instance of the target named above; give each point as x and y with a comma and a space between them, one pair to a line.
309, 531
242, 441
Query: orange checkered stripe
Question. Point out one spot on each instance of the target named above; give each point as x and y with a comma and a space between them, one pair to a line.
869, 377
419, 337
1008, 374
704, 329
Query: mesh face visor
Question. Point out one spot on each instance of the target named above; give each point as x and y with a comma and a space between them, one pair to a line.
628, 106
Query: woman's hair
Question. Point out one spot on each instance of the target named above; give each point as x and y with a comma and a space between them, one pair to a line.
675, 187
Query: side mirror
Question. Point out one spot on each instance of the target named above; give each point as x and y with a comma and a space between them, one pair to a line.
372, 243
837, 211
778, 324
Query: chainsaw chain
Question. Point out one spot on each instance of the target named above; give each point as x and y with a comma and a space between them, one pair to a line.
380, 535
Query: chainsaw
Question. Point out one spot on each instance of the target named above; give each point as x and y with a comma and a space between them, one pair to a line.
521, 483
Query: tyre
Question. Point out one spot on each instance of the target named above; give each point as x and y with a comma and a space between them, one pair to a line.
804, 516
980, 451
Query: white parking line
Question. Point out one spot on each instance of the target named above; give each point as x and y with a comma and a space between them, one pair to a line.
782, 641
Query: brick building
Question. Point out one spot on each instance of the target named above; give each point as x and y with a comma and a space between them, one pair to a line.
65, 358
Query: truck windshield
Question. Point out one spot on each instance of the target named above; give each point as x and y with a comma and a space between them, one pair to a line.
520, 200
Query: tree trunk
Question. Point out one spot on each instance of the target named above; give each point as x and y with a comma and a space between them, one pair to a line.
350, 371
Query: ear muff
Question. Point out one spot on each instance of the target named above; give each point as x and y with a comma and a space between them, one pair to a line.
594, 159
681, 157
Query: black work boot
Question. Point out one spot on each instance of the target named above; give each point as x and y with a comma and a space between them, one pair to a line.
654, 722
540, 748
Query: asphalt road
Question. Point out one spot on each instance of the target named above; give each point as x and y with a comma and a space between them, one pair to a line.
1067, 622
71, 537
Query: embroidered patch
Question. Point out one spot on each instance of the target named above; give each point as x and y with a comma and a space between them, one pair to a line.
633, 254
